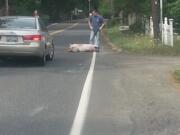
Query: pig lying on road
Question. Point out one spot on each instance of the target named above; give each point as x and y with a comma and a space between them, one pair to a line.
82, 48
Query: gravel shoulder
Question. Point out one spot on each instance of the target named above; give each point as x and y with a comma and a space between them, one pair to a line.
135, 94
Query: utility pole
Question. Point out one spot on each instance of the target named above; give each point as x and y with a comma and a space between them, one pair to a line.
7, 7
161, 11
89, 6
161, 16
154, 8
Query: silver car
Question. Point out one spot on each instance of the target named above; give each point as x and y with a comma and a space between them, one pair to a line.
25, 36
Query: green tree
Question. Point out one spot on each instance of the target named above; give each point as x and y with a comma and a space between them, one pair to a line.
128, 6
22, 7
174, 9
104, 8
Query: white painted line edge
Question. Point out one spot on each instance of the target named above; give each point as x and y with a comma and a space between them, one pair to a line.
59, 31
53, 24
84, 101
56, 32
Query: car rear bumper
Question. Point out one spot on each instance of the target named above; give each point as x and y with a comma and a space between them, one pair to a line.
34, 49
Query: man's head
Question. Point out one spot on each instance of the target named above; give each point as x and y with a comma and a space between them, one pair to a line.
90, 14
94, 12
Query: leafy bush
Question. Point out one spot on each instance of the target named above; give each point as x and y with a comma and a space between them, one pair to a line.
137, 27
46, 19
141, 44
177, 75
113, 22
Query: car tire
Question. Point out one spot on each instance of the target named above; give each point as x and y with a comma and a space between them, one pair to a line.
42, 60
50, 56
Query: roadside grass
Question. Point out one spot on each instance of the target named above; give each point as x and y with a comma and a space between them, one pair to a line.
144, 45
177, 75
140, 44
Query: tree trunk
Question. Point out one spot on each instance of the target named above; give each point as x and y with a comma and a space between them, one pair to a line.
154, 8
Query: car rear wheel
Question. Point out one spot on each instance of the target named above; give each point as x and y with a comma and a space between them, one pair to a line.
42, 60
50, 56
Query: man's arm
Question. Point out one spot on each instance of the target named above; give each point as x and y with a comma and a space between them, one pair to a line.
102, 25
90, 24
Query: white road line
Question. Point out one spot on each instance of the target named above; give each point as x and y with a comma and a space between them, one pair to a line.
73, 26
52, 25
84, 101
59, 31
56, 32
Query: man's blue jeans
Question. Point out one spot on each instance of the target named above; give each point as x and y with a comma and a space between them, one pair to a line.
94, 38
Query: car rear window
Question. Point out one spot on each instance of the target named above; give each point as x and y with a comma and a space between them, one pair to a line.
20, 23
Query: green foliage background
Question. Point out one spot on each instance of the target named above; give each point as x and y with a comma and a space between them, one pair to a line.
57, 8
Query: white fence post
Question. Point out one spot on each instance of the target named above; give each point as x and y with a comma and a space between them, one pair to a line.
167, 35
151, 27
162, 33
171, 32
165, 31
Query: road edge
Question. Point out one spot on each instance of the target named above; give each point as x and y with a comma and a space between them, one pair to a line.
109, 43
173, 81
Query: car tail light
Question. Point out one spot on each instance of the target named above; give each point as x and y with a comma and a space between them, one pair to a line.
32, 37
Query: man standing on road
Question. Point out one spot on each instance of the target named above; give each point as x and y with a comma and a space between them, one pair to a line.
96, 23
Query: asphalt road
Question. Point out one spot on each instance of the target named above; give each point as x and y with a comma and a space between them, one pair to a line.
128, 94
38, 100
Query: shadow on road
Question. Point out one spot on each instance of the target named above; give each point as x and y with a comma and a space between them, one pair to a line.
19, 62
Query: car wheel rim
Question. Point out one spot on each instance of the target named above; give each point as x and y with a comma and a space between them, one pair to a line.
52, 52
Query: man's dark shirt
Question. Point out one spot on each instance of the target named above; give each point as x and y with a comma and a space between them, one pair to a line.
96, 22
